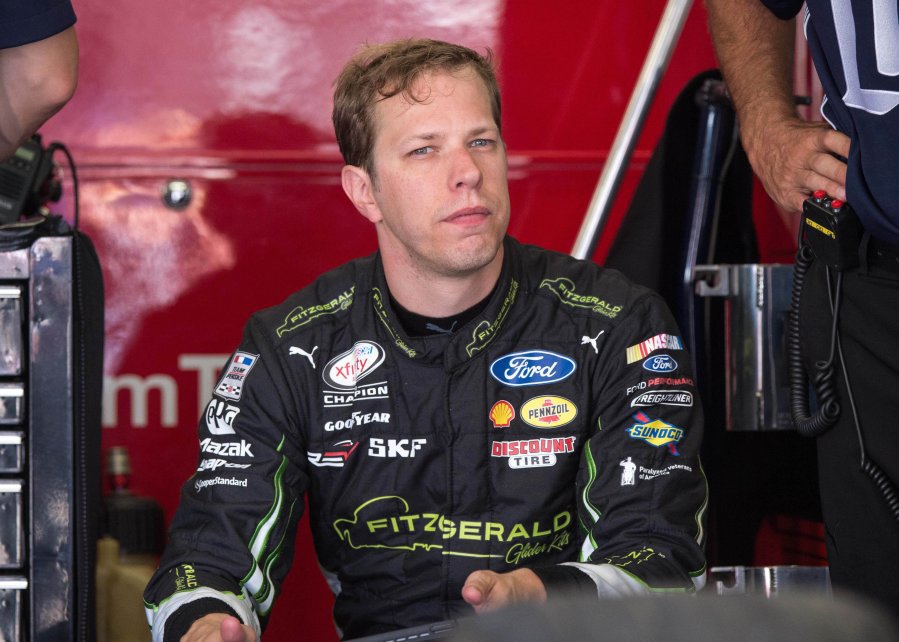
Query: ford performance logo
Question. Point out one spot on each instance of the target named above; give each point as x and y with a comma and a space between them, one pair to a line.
660, 363
531, 368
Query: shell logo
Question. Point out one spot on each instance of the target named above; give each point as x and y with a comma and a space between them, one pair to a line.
548, 412
502, 414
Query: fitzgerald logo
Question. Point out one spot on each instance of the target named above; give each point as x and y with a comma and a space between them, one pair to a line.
485, 330
548, 412
301, 315
563, 288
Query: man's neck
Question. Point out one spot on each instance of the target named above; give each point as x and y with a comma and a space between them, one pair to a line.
440, 296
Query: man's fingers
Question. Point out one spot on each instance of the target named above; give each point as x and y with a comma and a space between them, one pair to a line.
233, 630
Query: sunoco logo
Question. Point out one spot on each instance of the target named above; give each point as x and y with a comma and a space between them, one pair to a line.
548, 412
531, 368
655, 432
346, 369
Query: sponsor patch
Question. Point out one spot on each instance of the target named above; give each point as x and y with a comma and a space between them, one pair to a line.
628, 478
357, 419
501, 414
301, 315
655, 432
563, 288
663, 398
334, 399
200, 484
532, 453
486, 330
658, 381
531, 368
346, 369
548, 412
231, 384
220, 417
215, 464
334, 458
240, 448
378, 447
650, 345
660, 363
652, 473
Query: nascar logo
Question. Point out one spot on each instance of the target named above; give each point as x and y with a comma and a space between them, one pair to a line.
658, 342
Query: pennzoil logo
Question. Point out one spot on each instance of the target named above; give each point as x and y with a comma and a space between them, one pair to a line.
301, 315
548, 412
564, 289
501, 414
656, 432
650, 345
485, 330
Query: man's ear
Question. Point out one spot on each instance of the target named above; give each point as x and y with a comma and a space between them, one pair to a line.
357, 185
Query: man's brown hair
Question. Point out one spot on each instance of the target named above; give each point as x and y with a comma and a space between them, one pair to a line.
381, 71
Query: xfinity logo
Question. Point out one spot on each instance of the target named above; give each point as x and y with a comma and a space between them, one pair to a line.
531, 368
660, 363
344, 370
378, 447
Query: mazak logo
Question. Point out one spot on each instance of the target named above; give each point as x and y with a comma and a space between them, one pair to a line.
220, 417
548, 412
656, 432
660, 363
231, 384
334, 458
501, 414
346, 369
227, 449
531, 368
378, 447
664, 398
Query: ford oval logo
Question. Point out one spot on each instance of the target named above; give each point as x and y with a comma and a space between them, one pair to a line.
660, 363
531, 368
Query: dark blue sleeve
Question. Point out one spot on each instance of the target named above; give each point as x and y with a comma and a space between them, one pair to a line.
784, 9
27, 21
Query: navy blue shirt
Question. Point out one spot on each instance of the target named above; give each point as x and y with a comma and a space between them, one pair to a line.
859, 69
24, 21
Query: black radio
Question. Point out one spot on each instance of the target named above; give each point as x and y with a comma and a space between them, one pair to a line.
833, 230
23, 179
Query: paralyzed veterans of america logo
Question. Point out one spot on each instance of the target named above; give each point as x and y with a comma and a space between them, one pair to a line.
531, 368
548, 412
231, 384
658, 342
656, 432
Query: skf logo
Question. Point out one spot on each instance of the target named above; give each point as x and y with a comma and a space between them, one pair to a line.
655, 432
660, 363
378, 447
220, 417
346, 369
658, 342
531, 368
502, 414
548, 412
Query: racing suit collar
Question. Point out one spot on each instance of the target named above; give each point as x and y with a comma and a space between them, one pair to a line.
466, 342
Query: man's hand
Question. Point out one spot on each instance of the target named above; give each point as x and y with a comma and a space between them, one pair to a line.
794, 158
219, 627
488, 591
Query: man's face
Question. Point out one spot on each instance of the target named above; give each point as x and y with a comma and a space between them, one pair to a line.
440, 191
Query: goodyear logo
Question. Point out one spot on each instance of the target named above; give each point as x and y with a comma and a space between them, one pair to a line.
548, 412
658, 342
655, 432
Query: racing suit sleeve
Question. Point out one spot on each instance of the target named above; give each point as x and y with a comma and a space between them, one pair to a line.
230, 541
641, 491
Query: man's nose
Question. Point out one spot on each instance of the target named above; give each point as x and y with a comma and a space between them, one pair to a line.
465, 171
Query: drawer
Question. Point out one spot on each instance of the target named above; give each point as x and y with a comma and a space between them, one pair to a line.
12, 454
12, 598
12, 528
11, 331
12, 404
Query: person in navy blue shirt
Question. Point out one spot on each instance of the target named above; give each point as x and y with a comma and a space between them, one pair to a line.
38, 66
853, 157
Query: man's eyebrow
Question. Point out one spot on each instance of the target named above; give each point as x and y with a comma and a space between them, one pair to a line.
432, 136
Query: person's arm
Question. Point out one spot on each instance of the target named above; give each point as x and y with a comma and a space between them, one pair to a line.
791, 157
231, 539
36, 80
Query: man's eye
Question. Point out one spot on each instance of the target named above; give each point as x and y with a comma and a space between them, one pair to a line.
421, 151
481, 142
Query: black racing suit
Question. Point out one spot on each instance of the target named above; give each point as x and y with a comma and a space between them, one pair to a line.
560, 426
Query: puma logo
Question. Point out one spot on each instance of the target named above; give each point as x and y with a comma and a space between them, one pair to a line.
303, 353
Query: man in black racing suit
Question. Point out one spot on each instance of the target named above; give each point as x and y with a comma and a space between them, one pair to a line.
459, 447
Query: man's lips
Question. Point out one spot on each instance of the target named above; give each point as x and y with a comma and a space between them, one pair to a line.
468, 215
